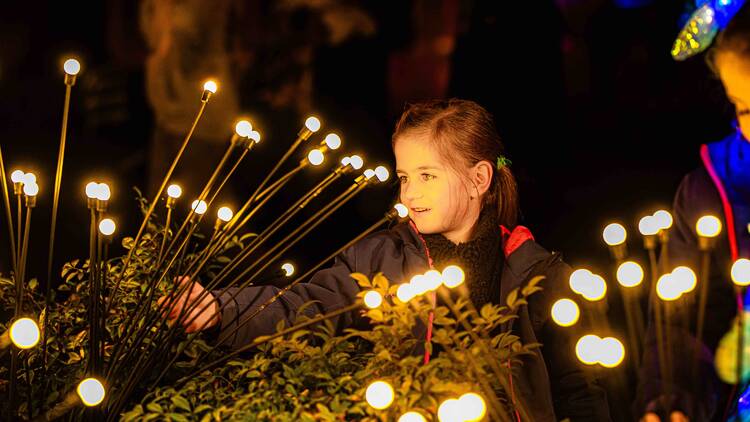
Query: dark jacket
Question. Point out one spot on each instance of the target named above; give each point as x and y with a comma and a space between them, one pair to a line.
712, 189
551, 381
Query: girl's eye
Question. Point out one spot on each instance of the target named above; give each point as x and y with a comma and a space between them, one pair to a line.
427, 176
402, 179
743, 112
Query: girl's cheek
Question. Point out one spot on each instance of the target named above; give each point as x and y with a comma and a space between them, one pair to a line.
745, 126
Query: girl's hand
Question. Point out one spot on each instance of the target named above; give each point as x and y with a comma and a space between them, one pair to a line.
674, 417
202, 316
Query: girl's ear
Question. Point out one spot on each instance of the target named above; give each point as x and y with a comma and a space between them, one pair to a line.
481, 177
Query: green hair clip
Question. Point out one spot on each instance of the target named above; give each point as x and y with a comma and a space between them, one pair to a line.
503, 162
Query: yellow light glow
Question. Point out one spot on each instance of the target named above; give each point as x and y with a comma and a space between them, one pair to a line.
102, 192
685, 279
663, 219
312, 124
199, 207
17, 176
30, 189
611, 352
379, 395
346, 161
382, 173
595, 289
356, 162
24, 333
708, 226
667, 289
225, 214
333, 141
449, 411
405, 292
741, 272
565, 312
91, 392
615, 234
29, 178
472, 407
288, 268
402, 210
107, 226
587, 349
579, 280
418, 285
433, 279
243, 128
373, 299
315, 157
629, 274
453, 276
369, 174
210, 86
648, 226
174, 191
412, 417
92, 188
72, 67
255, 136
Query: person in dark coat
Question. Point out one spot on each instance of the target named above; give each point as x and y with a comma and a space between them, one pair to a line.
720, 187
462, 204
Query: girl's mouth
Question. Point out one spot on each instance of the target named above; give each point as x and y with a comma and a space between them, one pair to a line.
420, 210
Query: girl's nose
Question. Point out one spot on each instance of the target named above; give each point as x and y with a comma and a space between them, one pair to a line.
409, 192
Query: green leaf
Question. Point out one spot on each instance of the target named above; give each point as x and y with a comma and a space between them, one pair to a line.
178, 417
181, 403
154, 407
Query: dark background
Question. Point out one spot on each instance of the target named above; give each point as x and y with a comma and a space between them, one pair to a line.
599, 121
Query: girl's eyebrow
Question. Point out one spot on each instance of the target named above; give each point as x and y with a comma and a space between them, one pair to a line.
420, 168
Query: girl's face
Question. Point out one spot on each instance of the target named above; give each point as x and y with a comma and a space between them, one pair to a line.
734, 71
439, 200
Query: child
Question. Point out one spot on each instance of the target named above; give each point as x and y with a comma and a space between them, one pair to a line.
463, 206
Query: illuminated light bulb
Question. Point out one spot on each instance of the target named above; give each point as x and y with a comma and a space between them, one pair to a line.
92, 189
579, 279
210, 86
433, 280
685, 278
614, 234
17, 176
611, 352
419, 284
405, 292
369, 174
91, 391
379, 395
708, 226
648, 226
102, 192
629, 274
30, 189
587, 349
412, 417
382, 173
333, 141
356, 162
199, 207
663, 219
312, 124
741, 272
24, 333
453, 276
472, 407
667, 289
72, 67
373, 299
29, 178
402, 210
595, 289
243, 128
255, 136
174, 191
315, 157
107, 226
225, 214
449, 411
346, 161
565, 312
288, 268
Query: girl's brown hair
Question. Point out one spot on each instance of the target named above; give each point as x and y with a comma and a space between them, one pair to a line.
735, 38
463, 129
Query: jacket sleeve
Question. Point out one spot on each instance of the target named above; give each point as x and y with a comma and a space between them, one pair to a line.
698, 400
330, 289
575, 394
